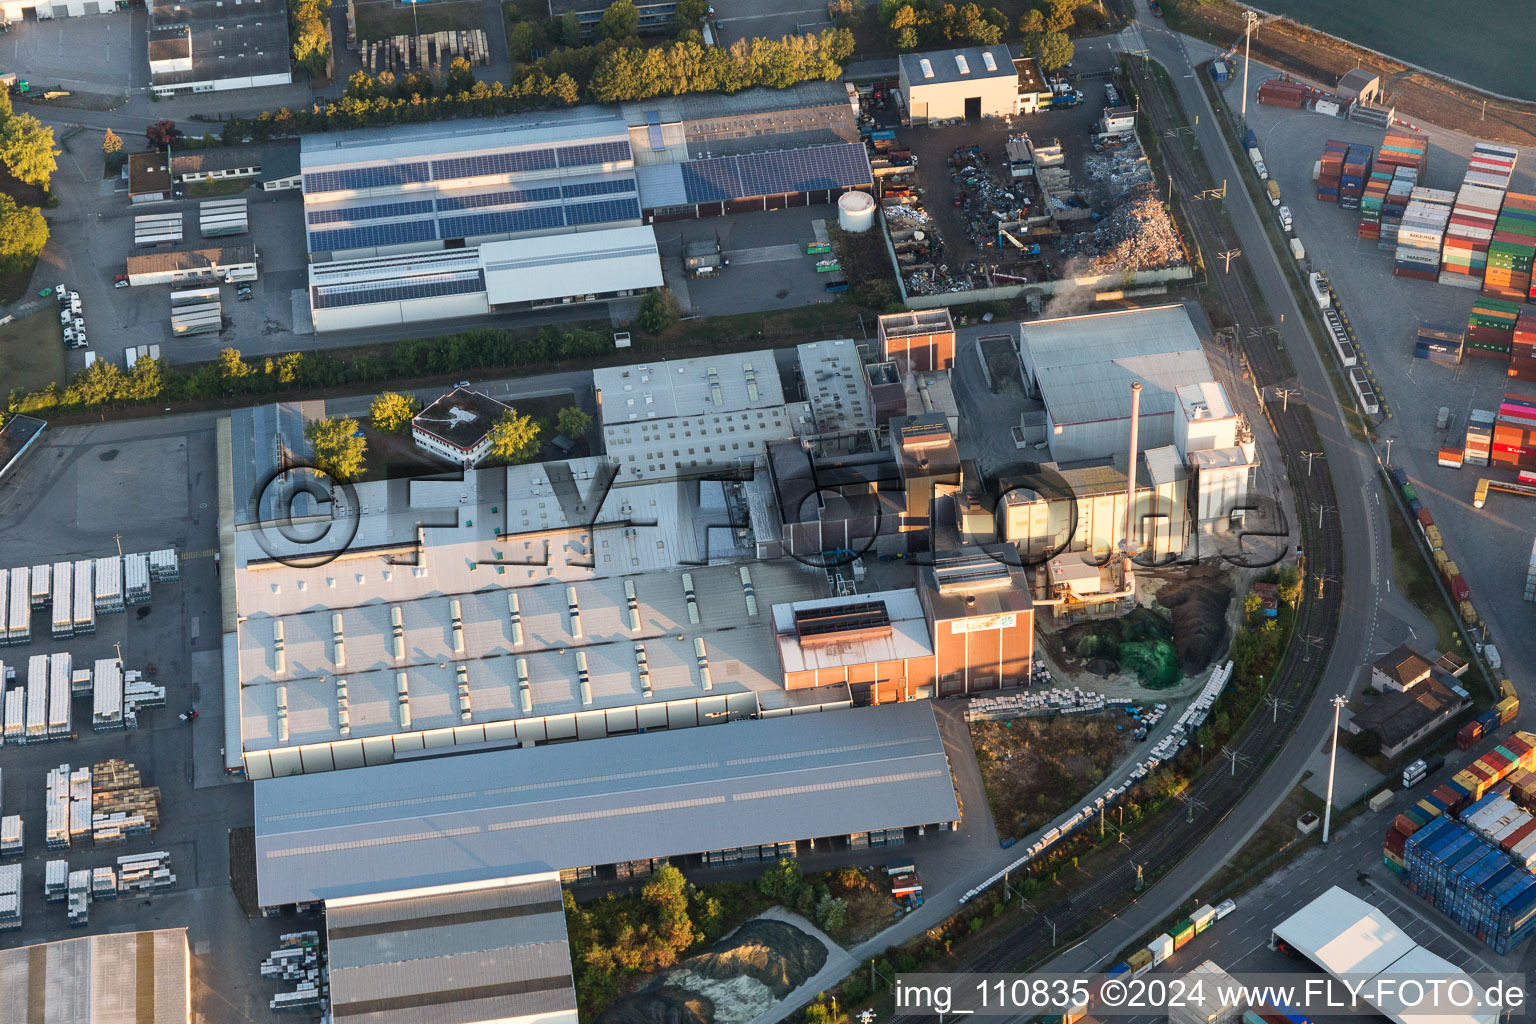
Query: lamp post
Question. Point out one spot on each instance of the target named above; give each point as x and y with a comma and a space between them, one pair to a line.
1333, 755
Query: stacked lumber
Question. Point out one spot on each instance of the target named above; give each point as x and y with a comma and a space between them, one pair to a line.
432, 51
121, 806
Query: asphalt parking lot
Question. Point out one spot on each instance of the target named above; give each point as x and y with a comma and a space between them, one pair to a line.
48, 53
151, 486
1489, 545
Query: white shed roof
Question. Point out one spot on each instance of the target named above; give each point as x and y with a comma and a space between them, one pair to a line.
1343, 934
554, 266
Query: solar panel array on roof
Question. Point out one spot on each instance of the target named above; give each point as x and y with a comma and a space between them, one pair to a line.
362, 293
602, 212
367, 236
377, 176
534, 218
594, 153
504, 197
776, 173
598, 188
354, 214
488, 164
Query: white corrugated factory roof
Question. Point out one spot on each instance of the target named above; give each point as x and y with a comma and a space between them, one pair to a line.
682, 387
1206, 400
908, 637
506, 812
1084, 365
554, 266
121, 978
403, 142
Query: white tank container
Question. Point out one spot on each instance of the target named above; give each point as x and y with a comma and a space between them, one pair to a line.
855, 212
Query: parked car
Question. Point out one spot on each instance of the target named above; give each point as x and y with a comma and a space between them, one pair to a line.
120, 284
119, 277
79, 324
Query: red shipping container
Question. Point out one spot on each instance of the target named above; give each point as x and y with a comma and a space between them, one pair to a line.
1496, 763
1425, 519
1404, 824
1518, 835
1396, 841
1468, 735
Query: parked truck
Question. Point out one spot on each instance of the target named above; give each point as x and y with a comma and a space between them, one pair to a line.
1257, 159
704, 257
1274, 192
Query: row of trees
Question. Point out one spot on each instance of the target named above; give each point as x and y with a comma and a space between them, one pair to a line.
103, 384
911, 24
26, 146
309, 23
610, 71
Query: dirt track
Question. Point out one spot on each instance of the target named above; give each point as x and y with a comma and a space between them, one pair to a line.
1419, 97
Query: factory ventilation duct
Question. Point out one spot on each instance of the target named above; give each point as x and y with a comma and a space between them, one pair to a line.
583, 678
515, 610
688, 595
403, 690
464, 709
570, 598
748, 592
644, 669
456, 612
751, 376
524, 689
397, 627
338, 642
282, 714
343, 711
703, 660
279, 651
634, 605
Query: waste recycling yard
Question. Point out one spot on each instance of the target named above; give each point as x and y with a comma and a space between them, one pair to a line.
1489, 545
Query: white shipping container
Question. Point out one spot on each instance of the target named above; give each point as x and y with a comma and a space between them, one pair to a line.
40, 577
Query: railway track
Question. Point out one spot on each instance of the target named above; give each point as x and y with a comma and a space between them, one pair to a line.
1215, 792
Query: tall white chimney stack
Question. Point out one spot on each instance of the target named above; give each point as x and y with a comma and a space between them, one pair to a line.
1126, 581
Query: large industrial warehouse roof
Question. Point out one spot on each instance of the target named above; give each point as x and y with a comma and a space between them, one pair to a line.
485, 815
1084, 365
1345, 935
121, 978
486, 951
248, 41
688, 387
750, 175
269, 439
554, 266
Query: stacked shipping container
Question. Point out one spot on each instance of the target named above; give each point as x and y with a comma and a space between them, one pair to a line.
1516, 754
1514, 433
1439, 343
1464, 254
1399, 165
1510, 253
1492, 165
1331, 170
1522, 347
1280, 92
1479, 439
1490, 328
1473, 882
1421, 234
1356, 168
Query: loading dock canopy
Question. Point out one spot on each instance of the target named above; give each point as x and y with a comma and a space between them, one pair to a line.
1348, 937
497, 813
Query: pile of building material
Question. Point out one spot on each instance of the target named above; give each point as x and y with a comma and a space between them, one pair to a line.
1512, 250
121, 805
104, 883
297, 963
1040, 703
10, 897
219, 217
196, 311
164, 566
1421, 233
433, 51
84, 592
1136, 235
107, 695
144, 872
16, 605
156, 229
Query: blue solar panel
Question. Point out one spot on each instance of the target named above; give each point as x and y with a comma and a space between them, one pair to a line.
353, 214
332, 297
507, 197
778, 173
594, 153
601, 212
502, 221
493, 163
598, 188
377, 176
369, 235
707, 181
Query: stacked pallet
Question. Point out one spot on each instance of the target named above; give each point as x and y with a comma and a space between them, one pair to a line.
80, 897
16, 612
85, 601
296, 963
144, 872
55, 881
1330, 169
1421, 233
136, 578
433, 51
1510, 253
1514, 433
56, 808
164, 566
11, 836
139, 693
80, 805
62, 595
1522, 347
1439, 344
107, 695
41, 574
108, 574
10, 897
60, 696
104, 883
1490, 328
1464, 256
122, 805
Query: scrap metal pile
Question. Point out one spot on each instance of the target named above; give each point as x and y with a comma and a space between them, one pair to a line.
1135, 233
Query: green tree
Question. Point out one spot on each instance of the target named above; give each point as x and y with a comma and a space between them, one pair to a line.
567, 29
339, 452
1055, 51
1031, 30
620, 21
1253, 608
162, 134
1061, 14
821, 1012
573, 423
690, 14
906, 39
110, 143
26, 147
831, 912
658, 311
781, 882
23, 233
1288, 585
514, 437
521, 40
392, 412
460, 77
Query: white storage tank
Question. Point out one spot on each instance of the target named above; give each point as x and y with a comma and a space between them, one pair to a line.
856, 212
